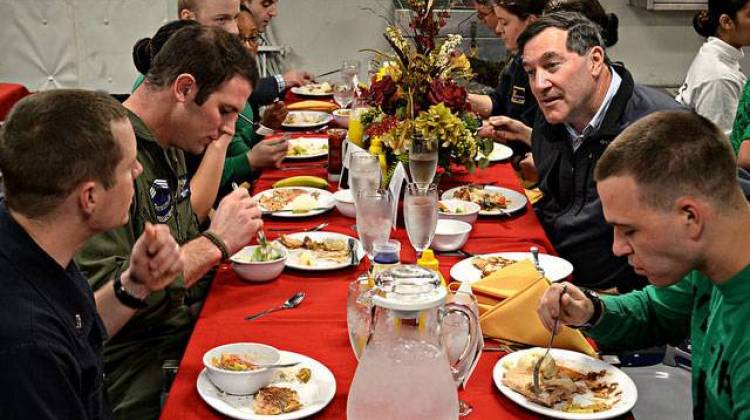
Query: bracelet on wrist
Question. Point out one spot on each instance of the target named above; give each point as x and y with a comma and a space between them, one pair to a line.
218, 242
125, 297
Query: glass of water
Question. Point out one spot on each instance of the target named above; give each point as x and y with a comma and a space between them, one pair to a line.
374, 209
423, 157
343, 94
364, 173
358, 314
420, 214
350, 71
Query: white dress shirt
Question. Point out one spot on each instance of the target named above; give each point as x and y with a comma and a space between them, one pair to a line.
714, 83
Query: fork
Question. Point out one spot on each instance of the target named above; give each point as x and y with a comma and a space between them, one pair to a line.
265, 249
538, 364
312, 229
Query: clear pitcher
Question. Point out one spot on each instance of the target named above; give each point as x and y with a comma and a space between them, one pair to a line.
404, 372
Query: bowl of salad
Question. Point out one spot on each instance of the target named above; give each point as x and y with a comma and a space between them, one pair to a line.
252, 265
237, 368
465, 211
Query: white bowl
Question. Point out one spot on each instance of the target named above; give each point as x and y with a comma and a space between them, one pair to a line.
255, 271
469, 211
242, 382
345, 203
341, 116
450, 235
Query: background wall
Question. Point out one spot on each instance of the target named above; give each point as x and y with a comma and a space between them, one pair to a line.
86, 43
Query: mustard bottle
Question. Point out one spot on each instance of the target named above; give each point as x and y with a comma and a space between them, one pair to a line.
428, 261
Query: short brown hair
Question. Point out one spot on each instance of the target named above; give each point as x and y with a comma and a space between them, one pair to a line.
671, 154
191, 5
211, 55
52, 142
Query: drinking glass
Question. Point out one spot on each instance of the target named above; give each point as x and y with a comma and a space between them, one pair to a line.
350, 71
343, 94
420, 214
455, 336
423, 156
364, 173
374, 208
356, 130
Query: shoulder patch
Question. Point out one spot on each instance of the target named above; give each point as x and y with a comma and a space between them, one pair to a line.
161, 198
518, 96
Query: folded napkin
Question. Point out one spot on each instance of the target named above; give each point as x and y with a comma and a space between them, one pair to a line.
508, 300
534, 194
312, 105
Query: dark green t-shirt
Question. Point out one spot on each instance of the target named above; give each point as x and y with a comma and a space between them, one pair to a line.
715, 317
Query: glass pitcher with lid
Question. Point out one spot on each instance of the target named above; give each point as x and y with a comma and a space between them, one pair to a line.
404, 372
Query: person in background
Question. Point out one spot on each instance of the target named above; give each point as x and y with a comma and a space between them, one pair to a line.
270, 88
190, 98
217, 13
714, 81
487, 72
51, 336
585, 101
690, 235
740, 137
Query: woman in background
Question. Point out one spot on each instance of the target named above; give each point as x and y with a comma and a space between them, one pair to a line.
715, 80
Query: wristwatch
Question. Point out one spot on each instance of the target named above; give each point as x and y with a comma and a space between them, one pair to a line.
598, 309
125, 297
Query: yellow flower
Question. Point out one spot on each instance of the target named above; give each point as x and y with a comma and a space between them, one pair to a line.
389, 68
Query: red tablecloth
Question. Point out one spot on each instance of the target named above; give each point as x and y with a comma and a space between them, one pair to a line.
10, 93
317, 328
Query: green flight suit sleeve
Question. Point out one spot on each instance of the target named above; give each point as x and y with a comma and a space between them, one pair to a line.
644, 318
236, 165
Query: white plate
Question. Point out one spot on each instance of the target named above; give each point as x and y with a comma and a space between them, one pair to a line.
292, 260
555, 268
517, 200
499, 152
325, 202
321, 118
577, 361
305, 91
314, 395
314, 145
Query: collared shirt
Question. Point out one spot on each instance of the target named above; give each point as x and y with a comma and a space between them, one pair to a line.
51, 337
714, 82
596, 122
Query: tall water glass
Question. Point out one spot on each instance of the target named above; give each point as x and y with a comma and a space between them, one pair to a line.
364, 173
420, 214
350, 71
423, 157
343, 94
374, 217
358, 314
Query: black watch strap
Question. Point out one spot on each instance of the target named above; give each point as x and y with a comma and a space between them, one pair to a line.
598, 308
125, 297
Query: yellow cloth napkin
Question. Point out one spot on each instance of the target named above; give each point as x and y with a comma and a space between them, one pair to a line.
508, 300
534, 194
312, 105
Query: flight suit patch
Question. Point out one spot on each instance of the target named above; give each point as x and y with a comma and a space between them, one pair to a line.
161, 198
518, 96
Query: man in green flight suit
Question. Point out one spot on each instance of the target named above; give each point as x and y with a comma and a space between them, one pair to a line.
191, 96
668, 186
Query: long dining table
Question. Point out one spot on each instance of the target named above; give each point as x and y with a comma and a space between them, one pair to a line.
317, 328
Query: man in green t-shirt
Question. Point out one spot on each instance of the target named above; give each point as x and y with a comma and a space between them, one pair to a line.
192, 94
668, 186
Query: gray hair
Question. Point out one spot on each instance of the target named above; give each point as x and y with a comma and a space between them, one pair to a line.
583, 34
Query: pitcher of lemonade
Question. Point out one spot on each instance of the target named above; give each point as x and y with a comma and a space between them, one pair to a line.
404, 372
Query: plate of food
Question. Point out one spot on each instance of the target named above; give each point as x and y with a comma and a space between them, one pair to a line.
499, 152
306, 119
301, 391
307, 147
475, 268
314, 89
573, 385
295, 201
320, 251
493, 200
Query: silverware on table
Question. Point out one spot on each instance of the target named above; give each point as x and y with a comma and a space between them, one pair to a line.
289, 229
456, 253
265, 248
352, 245
303, 167
328, 73
290, 303
538, 364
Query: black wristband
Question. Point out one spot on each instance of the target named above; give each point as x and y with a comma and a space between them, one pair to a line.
598, 309
218, 242
125, 297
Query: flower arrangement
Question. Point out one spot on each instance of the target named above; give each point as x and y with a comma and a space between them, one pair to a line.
419, 90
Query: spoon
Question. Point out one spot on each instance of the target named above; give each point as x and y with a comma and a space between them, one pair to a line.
535, 254
290, 303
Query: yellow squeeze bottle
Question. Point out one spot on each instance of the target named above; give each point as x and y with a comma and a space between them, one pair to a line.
428, 261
